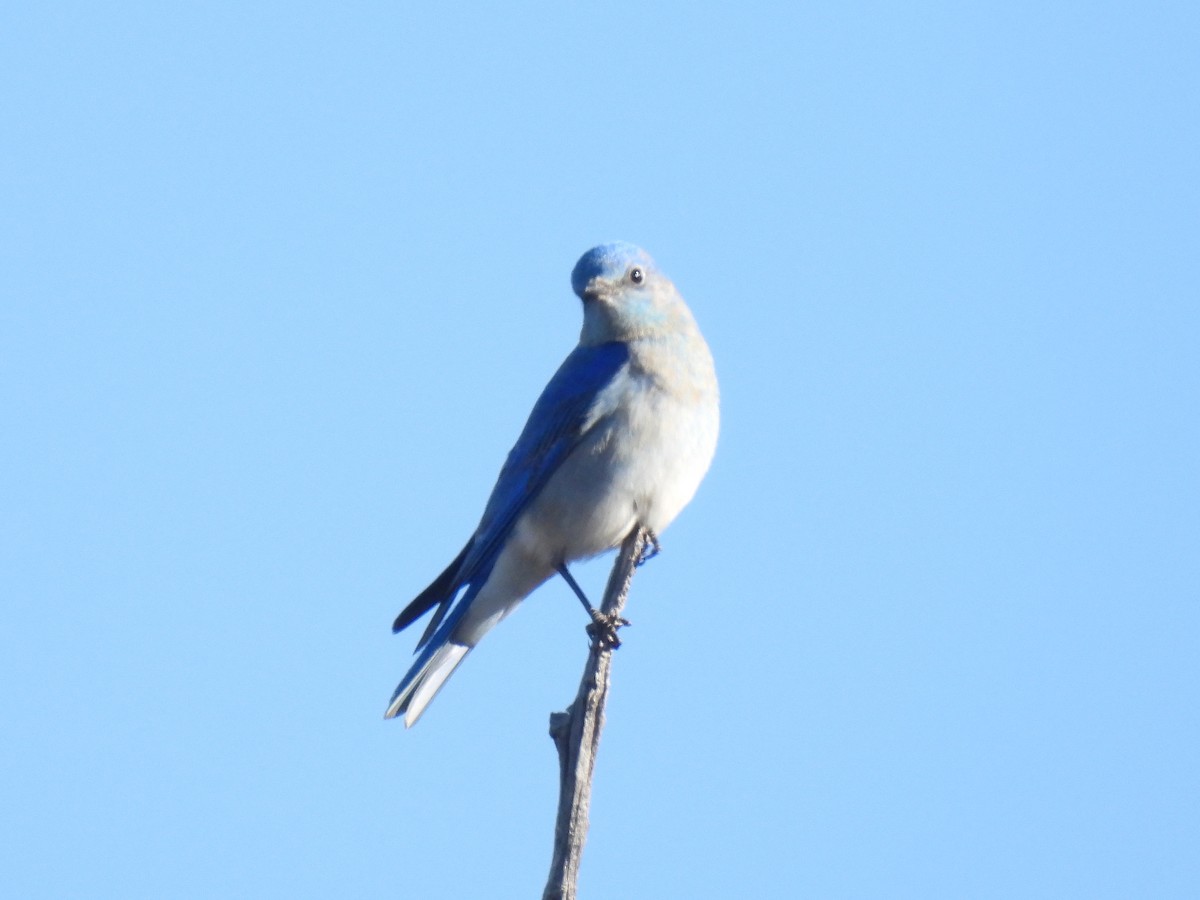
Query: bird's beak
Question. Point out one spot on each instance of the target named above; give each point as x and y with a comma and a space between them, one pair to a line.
594, 290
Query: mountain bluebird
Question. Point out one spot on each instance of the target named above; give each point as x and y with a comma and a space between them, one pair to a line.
621, 437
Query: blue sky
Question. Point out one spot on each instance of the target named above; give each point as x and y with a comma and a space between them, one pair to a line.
279, 284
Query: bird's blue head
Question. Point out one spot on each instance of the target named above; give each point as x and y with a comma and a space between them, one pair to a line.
609, 264
625, 296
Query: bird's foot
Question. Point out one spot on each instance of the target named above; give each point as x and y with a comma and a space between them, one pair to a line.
650, 549
603, 629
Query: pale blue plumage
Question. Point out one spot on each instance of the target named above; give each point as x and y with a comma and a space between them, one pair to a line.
621, 436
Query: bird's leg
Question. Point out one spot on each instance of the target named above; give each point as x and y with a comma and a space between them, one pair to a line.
603, 629
650, 549
570, 579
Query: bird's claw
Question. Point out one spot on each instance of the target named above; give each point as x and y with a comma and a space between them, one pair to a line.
650, 549
603, 629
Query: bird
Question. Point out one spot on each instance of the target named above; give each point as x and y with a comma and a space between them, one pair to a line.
620, 438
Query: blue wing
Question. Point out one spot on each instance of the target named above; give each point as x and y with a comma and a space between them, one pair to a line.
554, 428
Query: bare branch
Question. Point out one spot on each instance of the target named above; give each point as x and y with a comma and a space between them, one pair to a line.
576, 732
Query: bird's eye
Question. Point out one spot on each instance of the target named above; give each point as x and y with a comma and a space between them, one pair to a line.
636, 275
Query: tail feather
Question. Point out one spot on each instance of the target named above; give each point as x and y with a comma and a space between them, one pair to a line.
439, 658
444, 645
439, 594
423, 682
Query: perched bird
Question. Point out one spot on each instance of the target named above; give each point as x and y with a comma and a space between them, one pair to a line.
621, 437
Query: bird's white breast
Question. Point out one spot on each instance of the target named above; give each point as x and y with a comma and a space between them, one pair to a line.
652, 441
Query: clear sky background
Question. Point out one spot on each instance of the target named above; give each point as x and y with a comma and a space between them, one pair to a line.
279, 284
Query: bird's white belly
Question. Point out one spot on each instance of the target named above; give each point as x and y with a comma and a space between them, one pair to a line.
642, 464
